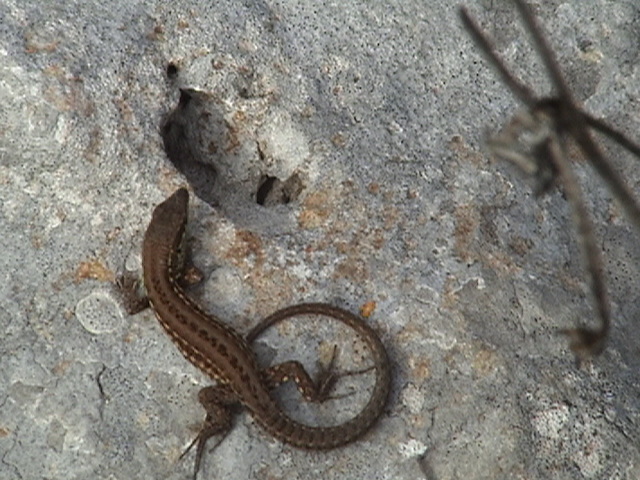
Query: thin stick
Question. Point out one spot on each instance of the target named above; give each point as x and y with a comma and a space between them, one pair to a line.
574, 119
519, 89
585, 342
568, 119
618, 187
614, 135
545, 52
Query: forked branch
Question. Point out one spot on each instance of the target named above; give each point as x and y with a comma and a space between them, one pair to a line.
545, 127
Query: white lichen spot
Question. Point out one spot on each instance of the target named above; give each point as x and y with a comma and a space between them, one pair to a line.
411, 448
99, 313
548, 423
588, 459
413, 398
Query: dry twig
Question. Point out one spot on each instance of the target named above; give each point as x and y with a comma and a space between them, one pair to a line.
543, 130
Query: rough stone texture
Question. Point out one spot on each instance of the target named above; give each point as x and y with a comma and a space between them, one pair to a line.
366, 121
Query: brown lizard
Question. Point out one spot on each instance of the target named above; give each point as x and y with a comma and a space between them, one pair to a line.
225, 356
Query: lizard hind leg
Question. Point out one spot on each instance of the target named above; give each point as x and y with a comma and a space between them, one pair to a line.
312, 390
316, 390
216, 400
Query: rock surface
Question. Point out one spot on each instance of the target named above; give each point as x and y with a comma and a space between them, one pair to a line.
336, 152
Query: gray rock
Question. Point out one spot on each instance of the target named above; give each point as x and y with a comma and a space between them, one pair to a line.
337, 154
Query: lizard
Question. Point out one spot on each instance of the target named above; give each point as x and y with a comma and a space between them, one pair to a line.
225, 356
